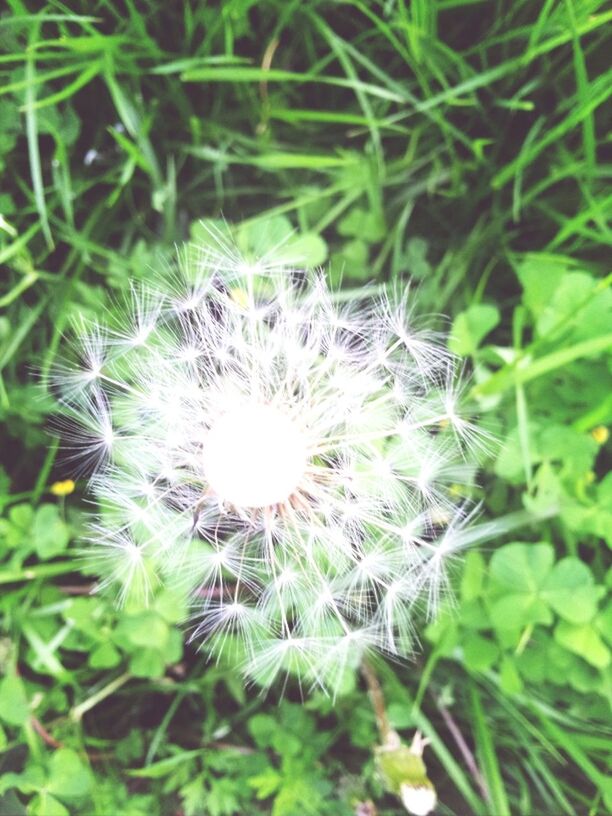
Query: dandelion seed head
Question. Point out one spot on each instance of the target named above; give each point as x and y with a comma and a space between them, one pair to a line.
296, 465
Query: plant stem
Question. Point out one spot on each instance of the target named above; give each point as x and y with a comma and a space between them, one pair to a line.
37, 571
468, 756
77, 712
377, 698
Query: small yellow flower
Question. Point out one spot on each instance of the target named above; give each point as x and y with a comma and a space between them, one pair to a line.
600, 434
64, 488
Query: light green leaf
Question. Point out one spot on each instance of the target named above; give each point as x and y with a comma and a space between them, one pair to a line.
479, 653
13, 700
265, 236
516, 610
509, 677
306, 250
50, 532
147, 629
43, 804
471, 326
570, 591
522, 567
585, 641
351, 263
603, 622
473, 574
69, 777
579, 306
358, 223
147, 663
104, 657
539, 278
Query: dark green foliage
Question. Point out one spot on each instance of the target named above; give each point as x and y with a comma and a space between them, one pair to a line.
460, 143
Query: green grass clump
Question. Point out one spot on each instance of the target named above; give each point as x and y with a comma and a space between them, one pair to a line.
457, 143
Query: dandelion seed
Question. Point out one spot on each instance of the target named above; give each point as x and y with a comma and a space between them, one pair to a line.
295, 464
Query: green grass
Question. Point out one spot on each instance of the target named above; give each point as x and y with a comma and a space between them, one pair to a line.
458, 143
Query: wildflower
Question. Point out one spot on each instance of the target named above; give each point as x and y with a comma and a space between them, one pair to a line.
600, 434
297, 465
62, 488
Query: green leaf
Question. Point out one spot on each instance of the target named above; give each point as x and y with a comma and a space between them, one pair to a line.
50, 532
539, 278
510, 463
531, 663
473, 575
479, 653
172, 605
10, 804
603, 623
509, 677
14, 529
266, 783
515, 611
265, 237
585, 641
472, 614
471, 326
351, 263
522, 567
570, 590
576, 451
263, 727
415, 257
193, 796
306, 250
104, 657
400, 716
14, 708
69, 777
518, 572
43, 804
579, 306
146, 629
147, 663
366, 225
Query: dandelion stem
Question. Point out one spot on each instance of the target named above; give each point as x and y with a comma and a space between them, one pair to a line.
377, 699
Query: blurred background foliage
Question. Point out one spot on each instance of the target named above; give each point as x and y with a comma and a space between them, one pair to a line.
460, 144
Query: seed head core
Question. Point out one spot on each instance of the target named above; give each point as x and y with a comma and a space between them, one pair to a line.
255, 456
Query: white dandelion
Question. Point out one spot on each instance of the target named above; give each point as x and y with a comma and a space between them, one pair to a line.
300, 467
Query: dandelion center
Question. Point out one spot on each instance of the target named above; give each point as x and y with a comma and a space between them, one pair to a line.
254, 456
